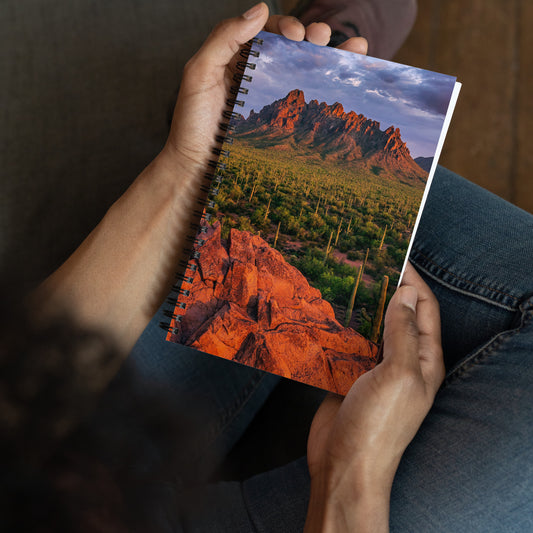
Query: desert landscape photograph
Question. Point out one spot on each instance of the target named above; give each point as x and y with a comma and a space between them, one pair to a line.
312, 212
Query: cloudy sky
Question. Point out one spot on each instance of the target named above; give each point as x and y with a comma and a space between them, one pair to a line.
411, 99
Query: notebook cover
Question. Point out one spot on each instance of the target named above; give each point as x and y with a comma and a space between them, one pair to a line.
312, 210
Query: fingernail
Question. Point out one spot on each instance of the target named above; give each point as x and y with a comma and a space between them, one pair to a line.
409, 297
253, 11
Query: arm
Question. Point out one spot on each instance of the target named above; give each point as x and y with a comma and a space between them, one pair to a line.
117, 278
356, 444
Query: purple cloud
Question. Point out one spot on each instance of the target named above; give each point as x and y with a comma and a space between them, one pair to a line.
412, 99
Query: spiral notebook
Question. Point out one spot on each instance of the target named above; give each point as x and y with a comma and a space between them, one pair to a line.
325, 162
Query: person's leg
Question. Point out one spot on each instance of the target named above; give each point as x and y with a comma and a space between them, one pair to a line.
220, 397
271, 501
470, 467
475, 251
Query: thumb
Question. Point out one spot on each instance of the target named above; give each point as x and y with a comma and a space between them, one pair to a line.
224, 41
411, 337
401, 333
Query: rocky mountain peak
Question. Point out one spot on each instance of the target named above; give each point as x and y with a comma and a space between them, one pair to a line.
336, 110
295, 98
332, 132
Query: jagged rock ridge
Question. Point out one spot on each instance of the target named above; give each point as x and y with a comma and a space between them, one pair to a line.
331, 132
249, 305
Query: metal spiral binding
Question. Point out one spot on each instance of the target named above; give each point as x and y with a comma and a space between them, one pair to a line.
213, 179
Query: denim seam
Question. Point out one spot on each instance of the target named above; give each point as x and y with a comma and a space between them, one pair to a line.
465, 280
485, 351
247, 508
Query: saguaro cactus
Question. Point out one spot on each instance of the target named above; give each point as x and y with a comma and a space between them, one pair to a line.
328, 247
254, 187
338, 233
382, 238
349, 309
267, 212
277, 235
376, 324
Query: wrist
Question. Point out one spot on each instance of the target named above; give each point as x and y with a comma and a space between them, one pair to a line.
348, 500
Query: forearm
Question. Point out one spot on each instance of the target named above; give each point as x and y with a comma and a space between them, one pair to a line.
119, 275
117, 278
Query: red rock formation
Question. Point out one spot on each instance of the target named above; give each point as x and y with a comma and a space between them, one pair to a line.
249, 305
330, 131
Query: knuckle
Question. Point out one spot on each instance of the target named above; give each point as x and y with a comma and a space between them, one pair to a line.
410, 377
404, 375
403, 326
190, 65
432, 299
410, 326
406, 381
221, 26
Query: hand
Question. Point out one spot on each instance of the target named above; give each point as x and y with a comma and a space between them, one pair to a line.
209, 74
355, 444
115, 281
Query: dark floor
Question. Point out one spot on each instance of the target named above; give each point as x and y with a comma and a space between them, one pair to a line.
488, 45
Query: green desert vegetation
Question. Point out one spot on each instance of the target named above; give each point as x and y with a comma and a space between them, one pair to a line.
346, 228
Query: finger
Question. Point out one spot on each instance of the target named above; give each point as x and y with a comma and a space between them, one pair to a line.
401, 333
227, 37
289, 27
358, 45
428, 319
318, 33
427, 305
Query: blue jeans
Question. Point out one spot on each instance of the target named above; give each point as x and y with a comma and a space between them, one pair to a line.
470, 467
